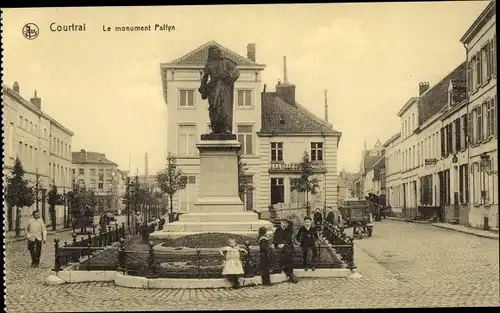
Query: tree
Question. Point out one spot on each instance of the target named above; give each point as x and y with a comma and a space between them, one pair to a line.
306, 182
18, 194
53, 199
171, 180
243, 185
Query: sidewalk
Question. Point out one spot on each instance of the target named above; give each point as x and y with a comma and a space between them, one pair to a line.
10, 236
401, 219
459, 228
468, 230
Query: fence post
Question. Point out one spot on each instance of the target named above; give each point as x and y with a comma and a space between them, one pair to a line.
151, 259
93, 229
110, 236
247, 259
198, 261
121, 256
57, 264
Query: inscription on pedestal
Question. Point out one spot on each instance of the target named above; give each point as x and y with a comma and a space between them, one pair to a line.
219, 176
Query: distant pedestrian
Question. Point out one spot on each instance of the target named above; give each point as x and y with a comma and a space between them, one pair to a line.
37, 234
308, 236
265, 257
283, 239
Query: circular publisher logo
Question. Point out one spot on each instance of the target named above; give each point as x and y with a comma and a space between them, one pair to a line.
30, 31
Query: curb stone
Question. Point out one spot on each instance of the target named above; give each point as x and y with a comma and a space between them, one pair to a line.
466, 232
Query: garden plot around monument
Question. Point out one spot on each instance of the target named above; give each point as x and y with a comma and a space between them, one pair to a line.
192, 261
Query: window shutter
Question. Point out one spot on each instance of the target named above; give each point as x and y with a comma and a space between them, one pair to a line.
470, 140
469, 77
493, 56
495, 126
443, 142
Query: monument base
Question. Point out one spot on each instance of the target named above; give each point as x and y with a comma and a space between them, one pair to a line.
219, 208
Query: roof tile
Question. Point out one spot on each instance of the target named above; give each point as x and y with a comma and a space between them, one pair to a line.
281, 117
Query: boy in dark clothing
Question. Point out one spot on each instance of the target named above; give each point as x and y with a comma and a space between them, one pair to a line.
283, 239
307, 236
265, 257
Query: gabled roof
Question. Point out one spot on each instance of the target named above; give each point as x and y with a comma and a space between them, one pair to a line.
433, 100
370, 161
88, 157
488, 13
198, 57
393, 137
281, 117
12, 93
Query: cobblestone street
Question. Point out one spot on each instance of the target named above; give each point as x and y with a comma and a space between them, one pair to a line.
402, 265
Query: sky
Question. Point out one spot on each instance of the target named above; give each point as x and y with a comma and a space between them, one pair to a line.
106, 88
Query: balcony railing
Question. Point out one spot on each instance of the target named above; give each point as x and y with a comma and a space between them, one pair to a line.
280, 167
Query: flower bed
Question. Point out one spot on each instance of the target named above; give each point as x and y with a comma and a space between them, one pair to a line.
189, 264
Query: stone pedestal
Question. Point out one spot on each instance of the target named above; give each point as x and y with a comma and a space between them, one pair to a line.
219, 207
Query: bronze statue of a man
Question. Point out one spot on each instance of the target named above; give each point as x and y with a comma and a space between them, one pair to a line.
219, 90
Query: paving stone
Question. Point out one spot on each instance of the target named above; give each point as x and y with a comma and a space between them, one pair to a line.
402, 265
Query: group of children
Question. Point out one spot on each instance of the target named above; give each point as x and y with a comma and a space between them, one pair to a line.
282, 239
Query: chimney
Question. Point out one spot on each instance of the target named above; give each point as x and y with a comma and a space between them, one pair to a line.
285, 90
423, 87
326, 105
36, 101
251, 51
84, 154
16, 87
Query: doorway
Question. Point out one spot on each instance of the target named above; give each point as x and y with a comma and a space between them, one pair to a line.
277, 190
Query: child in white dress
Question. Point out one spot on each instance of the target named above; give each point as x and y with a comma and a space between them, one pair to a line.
232, 265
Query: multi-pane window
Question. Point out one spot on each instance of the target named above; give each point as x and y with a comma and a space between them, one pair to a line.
186, 141
276, 151
245, 137
486, 62
491, 116
109, 184
186, 98
479, 70
244, 98
92, 172
101, 174
92, 184
100, 185
316, 151
479, 124
81, 171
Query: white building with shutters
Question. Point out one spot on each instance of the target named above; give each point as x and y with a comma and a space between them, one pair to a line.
480, 43
274, 131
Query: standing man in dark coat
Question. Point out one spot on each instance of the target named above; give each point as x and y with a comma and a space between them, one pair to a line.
318, 219
283, 239
330, 217
307, 236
